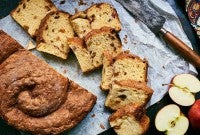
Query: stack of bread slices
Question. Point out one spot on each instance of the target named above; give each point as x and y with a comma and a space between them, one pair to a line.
93, 37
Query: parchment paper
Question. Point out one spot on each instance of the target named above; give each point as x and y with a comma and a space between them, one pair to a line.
163, 61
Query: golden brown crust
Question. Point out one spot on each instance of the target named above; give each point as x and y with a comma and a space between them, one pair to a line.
135, 84
8, 46
77, 42
126, 54
37, 99
98, 31
79, 14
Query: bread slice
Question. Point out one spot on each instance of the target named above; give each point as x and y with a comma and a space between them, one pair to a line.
53, 33
125, 92
107, 71
100, 40
130, 66
130, 120
80, 24
29, 14
125, 66
78, 47
103, 14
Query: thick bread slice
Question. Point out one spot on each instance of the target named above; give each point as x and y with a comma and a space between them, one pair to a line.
125, 92
125, 66
130, 120
107, 71
29, 14
100, 40
81, 26
53, 33
78, 47
103, 14
130, 66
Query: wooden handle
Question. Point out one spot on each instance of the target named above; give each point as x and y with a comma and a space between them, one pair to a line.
183, 49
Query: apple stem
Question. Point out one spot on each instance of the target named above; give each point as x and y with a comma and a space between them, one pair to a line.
168, 84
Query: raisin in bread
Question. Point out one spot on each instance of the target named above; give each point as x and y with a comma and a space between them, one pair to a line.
53, 33
84, 58
29, 14
130, 120
125, 92
100, 40
125, 66
95, 17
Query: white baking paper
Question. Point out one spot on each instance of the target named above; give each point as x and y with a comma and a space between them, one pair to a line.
163, 61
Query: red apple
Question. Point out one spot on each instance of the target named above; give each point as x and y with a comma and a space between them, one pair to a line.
194, 115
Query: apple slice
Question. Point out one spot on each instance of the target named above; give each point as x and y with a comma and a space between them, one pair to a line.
171, 121
183, 88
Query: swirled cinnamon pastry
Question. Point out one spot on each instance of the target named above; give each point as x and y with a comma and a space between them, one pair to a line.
34, 97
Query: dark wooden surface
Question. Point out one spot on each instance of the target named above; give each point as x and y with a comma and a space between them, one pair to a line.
178, 5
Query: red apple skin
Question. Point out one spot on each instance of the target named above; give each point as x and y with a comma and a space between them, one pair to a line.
194, 115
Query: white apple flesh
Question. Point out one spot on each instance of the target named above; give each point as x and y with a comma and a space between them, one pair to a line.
181, 97
171, 121
183, 89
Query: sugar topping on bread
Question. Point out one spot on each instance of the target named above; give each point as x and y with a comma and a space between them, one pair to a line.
53, 34
29, 14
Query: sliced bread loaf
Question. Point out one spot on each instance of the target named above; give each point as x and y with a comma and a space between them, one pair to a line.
103, 14
53, 33
78, 47
100, 40
126, 92
130, 120
29, 14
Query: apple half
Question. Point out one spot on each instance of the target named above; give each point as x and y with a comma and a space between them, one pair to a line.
183, 88
171, 121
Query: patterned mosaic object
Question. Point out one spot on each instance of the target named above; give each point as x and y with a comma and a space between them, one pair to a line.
193, 10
